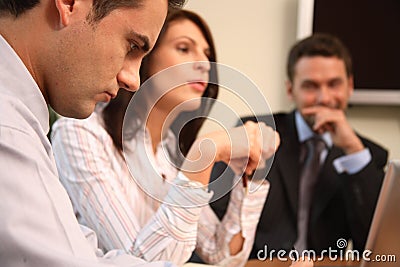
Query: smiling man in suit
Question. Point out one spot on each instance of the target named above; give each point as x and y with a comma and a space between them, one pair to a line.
340, 202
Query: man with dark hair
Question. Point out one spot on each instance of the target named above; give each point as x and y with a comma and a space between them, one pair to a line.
69, 54
316, 206
101, 8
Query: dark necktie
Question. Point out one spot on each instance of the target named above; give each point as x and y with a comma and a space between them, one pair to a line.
309, 173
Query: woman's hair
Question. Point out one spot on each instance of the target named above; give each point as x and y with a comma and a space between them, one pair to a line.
100, 9
113, 113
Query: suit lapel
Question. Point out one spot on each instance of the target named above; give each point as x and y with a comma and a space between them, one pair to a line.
288, 165
288, 162
327, 184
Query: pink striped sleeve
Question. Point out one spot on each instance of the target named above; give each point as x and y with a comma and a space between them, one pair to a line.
84, 159
243, 214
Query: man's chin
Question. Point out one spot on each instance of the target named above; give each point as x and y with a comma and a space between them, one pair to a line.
76, 112
310, 120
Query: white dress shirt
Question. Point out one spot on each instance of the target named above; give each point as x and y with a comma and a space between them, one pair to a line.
123, 213
37, 223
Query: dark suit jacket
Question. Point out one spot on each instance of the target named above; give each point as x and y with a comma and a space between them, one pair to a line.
342, 205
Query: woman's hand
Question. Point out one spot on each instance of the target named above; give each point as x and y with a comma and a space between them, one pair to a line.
243, 148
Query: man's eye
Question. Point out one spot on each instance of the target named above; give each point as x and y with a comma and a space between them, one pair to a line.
335, 83
133, 47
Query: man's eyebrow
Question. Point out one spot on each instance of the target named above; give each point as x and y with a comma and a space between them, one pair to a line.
309, 81
145, 46
336, 79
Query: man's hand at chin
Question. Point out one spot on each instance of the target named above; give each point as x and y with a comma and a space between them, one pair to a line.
334, 121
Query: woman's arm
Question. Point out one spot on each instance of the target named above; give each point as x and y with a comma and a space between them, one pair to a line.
230, 242
243, 148
113, 205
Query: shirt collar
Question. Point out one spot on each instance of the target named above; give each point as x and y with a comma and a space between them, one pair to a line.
305, 132
16, 80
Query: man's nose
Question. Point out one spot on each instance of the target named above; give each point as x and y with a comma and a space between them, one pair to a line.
324, 96
128, 78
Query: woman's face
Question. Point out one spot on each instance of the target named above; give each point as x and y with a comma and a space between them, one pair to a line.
183, 42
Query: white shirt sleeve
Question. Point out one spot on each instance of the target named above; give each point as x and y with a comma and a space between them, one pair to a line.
353, 163
38, 226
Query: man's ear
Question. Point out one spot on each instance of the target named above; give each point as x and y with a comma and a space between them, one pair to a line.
289, 89
64, 8
69, 10
351, 85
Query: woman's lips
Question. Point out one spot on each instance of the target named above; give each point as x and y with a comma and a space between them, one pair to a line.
199, 86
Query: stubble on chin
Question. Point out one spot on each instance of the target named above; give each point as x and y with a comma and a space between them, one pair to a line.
310, 120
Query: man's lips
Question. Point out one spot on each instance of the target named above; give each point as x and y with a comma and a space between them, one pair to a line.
111, 94
106, 96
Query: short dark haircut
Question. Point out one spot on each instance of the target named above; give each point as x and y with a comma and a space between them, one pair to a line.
17, 7
319, 44
101, 8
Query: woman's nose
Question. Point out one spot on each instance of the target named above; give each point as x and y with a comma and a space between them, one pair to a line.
203, 66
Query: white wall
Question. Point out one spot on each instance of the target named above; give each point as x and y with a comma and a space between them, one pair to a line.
255, 36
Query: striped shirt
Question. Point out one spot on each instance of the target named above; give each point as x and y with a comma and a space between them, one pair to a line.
149, 217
